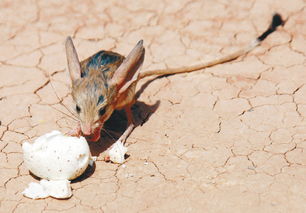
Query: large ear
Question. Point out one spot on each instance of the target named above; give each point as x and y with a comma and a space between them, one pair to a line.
73, 62
126, 74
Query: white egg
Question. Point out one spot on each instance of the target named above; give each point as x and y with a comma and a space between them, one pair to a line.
56, 159
55, 156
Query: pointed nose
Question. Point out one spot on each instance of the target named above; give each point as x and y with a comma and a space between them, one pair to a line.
86, 129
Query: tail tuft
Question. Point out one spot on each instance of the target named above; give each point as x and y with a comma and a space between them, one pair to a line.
276, 21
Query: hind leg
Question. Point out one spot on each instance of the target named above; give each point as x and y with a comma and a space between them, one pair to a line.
131, 124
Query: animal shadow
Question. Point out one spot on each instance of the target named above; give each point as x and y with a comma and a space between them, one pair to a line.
88, 172
117, 124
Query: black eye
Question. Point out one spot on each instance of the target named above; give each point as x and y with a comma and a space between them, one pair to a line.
102, 111
78, 109
100, 100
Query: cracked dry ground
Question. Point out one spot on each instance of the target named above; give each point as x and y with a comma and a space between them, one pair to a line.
230, 138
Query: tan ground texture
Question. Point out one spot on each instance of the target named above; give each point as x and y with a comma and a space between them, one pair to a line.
230, 138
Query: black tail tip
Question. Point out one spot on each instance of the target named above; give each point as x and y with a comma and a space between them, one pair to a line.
277, 21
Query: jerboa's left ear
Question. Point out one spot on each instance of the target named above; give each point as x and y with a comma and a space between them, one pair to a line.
73, 62
126, 74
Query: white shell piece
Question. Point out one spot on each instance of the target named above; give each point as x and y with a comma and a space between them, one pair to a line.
57, 189
35, 191
117, 152
54, 156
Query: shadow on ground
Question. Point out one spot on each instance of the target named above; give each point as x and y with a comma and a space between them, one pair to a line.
116, 125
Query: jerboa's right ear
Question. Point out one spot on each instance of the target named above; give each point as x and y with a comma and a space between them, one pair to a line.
128, 72
73, 62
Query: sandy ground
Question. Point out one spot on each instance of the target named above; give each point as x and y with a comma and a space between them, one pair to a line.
230, 138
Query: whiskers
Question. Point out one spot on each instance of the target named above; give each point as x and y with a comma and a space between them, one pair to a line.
71, 114
108, 133
68, 115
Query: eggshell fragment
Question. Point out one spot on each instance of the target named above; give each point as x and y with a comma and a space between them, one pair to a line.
35, 191
45, 188
117, 152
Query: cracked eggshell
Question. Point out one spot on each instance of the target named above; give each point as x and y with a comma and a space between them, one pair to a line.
54, 188
117, 152
35, 191
54, 156
57, 188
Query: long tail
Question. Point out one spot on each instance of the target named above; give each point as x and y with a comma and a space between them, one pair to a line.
276, 21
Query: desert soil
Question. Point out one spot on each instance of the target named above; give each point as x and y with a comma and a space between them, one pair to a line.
230, 138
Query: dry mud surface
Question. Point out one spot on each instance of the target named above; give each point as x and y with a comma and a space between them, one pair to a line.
230, 138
